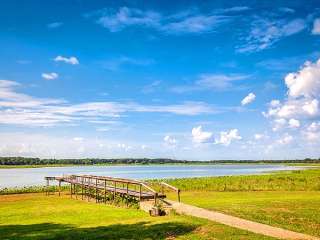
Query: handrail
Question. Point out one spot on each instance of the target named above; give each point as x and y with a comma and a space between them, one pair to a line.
147, 187
122, 180
171, 187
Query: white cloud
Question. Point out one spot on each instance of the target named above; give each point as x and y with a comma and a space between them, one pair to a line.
275, 103
316, 27
264, 33
312, 107
259, 136
227, 137
78, 139
200, 136
170, 141
128, 17
190, 21
248, 99
279, 124
286, 139
294, 123
314, 126
21, 109
50, 76
312, 132
216, 82
303, 94
70, 60
305, 82
194, 24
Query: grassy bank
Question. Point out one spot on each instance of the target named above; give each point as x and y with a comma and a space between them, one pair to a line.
300, 180
289, 200
35, 216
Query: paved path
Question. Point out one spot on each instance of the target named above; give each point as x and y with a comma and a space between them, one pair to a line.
239, 222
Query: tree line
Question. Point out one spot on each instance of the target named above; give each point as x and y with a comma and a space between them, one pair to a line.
95, 161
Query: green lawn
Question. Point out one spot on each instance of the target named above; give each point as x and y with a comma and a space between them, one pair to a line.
293, 210
35, 216
289, 200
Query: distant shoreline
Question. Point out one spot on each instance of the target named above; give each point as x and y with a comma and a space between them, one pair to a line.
153, 164
26, 162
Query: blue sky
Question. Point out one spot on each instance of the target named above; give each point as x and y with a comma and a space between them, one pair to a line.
198, 80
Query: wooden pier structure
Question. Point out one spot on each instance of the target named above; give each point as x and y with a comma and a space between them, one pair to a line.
100, 187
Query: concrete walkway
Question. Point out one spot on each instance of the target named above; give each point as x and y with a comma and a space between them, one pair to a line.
239, 222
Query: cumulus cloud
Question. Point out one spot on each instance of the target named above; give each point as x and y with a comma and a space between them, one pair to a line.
294, 123
200, 136
286, 139
50, 76
303, 94
305, 82
312, 132
316, 27
314, 126
279, 124
248, 99
227, 137
70, 60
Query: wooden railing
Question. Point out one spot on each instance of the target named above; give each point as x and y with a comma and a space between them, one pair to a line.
163, 184
129, 186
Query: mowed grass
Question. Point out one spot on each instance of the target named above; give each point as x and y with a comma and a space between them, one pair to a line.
297, 211
289, 200
35, 216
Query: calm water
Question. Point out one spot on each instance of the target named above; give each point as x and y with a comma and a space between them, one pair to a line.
20, 177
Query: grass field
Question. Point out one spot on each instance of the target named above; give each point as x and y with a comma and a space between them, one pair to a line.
289, 200
35, 216
298, 180
297, 211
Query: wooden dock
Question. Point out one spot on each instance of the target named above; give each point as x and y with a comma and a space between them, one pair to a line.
98, 187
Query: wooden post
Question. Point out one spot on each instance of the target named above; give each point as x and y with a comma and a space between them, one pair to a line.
179, 195
88, 188
71, 190
82, 188
105, 191
139, 192
96, 190
47, 188
127, 194
155, 199
59, 187
114, 191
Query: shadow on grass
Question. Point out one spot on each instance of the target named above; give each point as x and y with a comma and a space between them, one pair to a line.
141, 230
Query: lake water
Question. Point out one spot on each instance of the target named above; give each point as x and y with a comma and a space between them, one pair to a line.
20, 177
